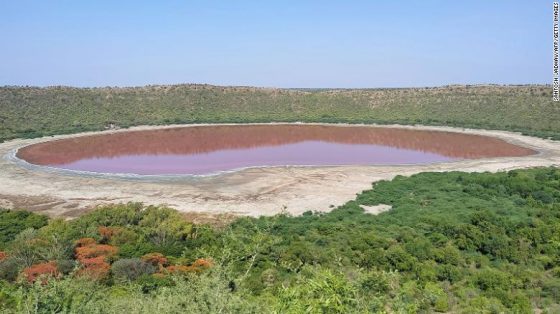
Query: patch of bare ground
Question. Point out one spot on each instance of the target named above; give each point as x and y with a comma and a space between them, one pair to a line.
376, 209
43, 204
6, 204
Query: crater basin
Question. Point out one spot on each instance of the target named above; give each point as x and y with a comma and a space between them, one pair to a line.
200, 150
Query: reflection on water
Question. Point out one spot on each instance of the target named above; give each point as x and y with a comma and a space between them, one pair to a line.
207, 149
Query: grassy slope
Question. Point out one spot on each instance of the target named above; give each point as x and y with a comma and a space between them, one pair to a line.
32, 112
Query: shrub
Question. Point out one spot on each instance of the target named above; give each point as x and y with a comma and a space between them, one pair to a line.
84, 242
131, 269
41, 271
437, 297
198, 266
378, 282
153, 282
121, 236
156, 259
65, 266
12, 222
25, 248
94, 258
96, 250
112, 215
492, 279
106, 233
202, 263
179, 269
9, 269
55, 248
164, 226
95, 268
323, 292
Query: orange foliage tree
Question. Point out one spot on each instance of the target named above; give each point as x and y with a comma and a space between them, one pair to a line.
95, 268
198, 266
202, 263
94, 258
43, 271
3, 255
156, 259
95, 250
108, 232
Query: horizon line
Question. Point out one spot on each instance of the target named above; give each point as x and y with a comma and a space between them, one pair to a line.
277, 88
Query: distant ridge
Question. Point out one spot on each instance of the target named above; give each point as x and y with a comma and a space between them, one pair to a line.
39, 111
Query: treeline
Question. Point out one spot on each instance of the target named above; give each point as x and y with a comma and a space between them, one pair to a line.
452, 242
34, 112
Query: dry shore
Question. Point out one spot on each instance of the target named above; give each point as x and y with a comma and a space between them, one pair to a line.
255, 191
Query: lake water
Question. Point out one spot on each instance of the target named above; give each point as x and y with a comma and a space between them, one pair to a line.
211, 149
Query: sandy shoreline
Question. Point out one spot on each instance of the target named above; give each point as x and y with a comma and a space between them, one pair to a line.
252, 191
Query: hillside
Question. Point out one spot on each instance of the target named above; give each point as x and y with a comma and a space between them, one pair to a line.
452, 242
34, 112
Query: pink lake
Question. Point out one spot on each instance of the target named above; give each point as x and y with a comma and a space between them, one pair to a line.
210, 149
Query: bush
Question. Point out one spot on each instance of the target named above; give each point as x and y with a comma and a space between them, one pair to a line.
65, 266
95, 268
96, 250
492, 279
9, 269
131, 269
149, 283
41, 271
26, 247
156, 259
12, 222
322, 292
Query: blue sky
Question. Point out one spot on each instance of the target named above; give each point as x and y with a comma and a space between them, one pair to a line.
276, 44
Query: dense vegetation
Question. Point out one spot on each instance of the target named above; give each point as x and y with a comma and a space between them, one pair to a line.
34, 112
453, 242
